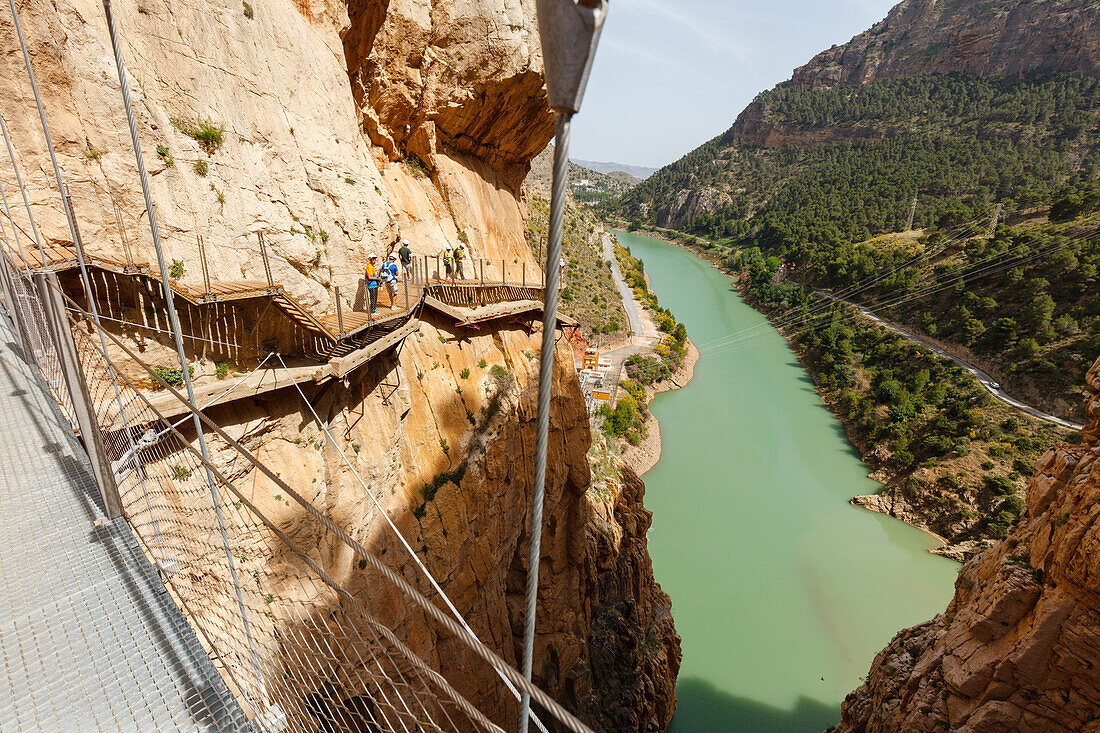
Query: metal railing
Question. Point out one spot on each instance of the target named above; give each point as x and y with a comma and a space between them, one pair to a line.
480, 271
313, 630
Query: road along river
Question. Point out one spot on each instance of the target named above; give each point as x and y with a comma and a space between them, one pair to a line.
782, 591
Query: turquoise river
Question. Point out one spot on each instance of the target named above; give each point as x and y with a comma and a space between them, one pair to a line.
781, 590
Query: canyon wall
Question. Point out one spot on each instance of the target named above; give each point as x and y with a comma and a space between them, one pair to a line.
347, 126
1017, 647
975, 38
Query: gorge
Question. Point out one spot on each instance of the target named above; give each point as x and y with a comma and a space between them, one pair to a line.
734, 588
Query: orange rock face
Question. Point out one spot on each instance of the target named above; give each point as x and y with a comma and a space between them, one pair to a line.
1018, 648
321, 102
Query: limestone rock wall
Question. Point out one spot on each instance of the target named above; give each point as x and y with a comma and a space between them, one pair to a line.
976, 38
1018, 648
348, 125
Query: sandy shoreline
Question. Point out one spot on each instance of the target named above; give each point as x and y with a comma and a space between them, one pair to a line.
644, 456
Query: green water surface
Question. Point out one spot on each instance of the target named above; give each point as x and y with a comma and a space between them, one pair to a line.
781, 590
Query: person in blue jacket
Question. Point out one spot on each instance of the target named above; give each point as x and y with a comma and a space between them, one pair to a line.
389, 276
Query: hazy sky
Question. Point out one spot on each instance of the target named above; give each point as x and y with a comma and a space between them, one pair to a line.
671, 74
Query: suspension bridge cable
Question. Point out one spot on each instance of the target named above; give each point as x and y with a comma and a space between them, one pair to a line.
446, 620
393, 527
374, 625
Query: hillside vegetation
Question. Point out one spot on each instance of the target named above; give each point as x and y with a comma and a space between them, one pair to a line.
953, 459
588, 291
806, 169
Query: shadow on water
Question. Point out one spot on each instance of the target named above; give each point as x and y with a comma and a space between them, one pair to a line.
700, 708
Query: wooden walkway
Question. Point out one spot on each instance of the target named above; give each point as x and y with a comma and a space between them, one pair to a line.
349, 338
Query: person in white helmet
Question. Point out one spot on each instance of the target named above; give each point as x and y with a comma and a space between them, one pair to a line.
406, 255
389, 276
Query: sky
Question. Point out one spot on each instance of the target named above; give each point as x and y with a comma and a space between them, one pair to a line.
671, 74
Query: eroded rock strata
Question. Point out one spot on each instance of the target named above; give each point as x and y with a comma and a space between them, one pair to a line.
348, 126
1018, 648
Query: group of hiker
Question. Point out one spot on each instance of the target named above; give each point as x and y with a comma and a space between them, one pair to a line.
452, 262
388, 274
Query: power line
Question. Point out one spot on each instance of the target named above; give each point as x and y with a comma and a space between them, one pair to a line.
978, 271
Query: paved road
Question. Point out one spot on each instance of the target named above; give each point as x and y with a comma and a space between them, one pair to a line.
983, 378
629, 303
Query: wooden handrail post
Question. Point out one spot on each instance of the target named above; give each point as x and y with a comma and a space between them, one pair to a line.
205, 269
406, 281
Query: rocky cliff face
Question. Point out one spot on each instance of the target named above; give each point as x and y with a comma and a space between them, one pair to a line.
981, 38
1010, 40
348, 126
1017, 648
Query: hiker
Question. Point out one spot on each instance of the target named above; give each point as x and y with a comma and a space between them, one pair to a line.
406, 259
448, 263
561, 270
460, 257
389, 276
372, 277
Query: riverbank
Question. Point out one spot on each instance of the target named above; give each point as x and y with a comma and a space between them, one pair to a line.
644, 456
957, 476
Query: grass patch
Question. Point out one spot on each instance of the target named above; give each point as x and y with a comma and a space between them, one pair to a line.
206, 133
176, 270
201, 168
173, 377
165, 155
180, 473
248, 11
416, 166
502, 377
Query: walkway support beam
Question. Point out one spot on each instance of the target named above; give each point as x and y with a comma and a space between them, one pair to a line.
49, 290
569, 31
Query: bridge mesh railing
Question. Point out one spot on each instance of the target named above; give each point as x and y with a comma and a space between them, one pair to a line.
40, 345
309, 627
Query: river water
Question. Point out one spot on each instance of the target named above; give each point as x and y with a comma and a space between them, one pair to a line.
781, 590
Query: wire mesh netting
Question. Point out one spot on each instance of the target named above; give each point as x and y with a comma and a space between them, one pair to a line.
299, 648
309, 629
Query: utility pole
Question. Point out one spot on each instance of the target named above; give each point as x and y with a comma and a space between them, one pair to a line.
912, 213
996, 218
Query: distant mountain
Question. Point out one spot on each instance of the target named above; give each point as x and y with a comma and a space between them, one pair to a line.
640, 172
587, 186
962, 103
